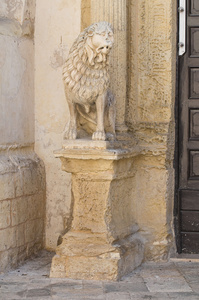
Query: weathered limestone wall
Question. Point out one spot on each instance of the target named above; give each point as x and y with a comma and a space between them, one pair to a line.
151, 97
22, 176
54, 34
22, 206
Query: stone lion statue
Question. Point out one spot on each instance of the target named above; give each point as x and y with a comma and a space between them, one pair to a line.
86, 83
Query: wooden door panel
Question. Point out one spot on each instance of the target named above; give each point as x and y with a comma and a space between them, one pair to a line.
193, 83
194, 165
194, 42
190, 221
188, 210
194, 7
194, 124
189, 200
190, 242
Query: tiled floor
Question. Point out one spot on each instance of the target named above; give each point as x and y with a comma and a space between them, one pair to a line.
174, 280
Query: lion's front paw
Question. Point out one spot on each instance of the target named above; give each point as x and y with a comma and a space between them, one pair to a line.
99, 136
71, 134
110, 137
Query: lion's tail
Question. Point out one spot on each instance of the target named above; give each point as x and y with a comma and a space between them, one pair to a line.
85, 115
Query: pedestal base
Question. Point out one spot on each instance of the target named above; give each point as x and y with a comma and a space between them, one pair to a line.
104, 241
91, 257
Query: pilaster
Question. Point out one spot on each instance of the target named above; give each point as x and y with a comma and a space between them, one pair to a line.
115, 12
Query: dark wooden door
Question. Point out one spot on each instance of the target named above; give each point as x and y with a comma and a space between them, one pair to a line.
188, 191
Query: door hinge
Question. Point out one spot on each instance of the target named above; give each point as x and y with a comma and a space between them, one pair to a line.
182, 27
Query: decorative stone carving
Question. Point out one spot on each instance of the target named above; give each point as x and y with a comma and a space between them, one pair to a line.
86, 82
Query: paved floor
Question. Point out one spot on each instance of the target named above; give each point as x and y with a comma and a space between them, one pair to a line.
173, 280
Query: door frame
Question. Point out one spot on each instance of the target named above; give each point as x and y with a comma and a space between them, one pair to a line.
178, 131
176, 209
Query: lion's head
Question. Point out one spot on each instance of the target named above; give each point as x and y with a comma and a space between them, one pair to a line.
99, 41
85, 72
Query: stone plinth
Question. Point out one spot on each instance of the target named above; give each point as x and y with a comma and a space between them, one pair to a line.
103, 242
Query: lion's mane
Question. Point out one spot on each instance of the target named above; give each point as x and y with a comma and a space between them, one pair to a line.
84, 77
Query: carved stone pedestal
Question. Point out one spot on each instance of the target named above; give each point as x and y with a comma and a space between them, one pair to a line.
103, 242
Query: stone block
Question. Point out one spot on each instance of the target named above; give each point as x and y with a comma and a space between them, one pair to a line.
31, 181
33, 176
7, 190
34, 231
91, 257
151, 209
89, 211
59, 267
8, 238
19, 183
19, 211
20, 235
5, 219
91, 268
152, 98
123, 220
36, 206
30, 231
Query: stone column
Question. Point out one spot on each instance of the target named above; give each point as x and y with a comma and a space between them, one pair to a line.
103, 242
115, 12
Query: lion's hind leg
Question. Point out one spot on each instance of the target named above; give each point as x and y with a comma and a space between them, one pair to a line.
111, 115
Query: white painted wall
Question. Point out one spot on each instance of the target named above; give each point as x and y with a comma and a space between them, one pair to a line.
16, 91
57, 25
